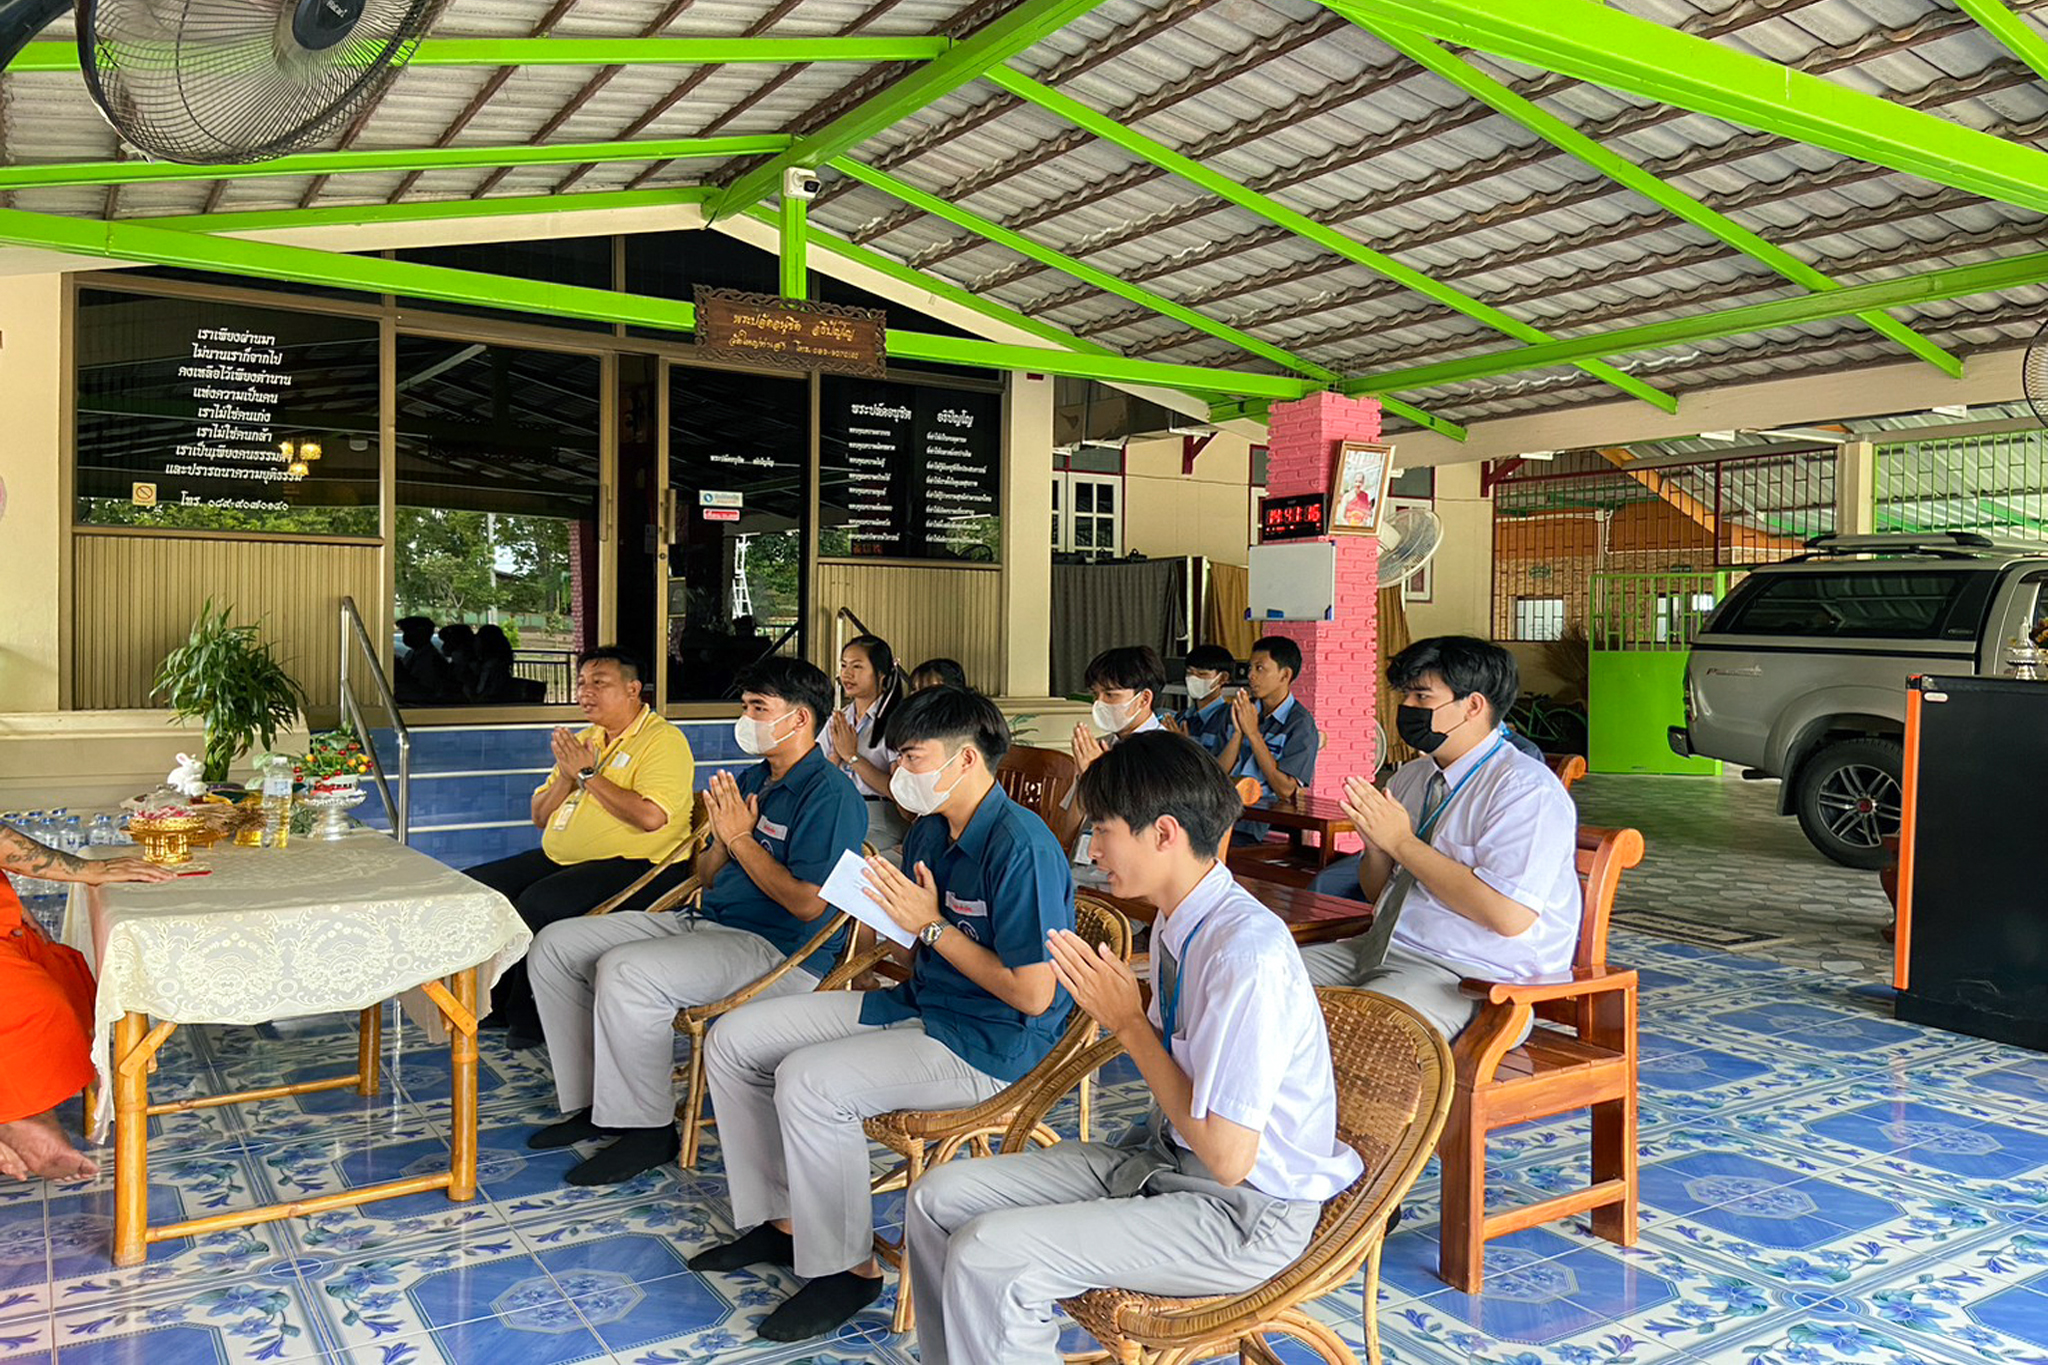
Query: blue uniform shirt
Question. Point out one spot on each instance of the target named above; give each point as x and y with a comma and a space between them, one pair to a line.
1209, 726
1290, 734
1005, 885
808, 819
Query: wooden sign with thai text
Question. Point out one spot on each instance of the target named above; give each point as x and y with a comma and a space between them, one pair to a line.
790, 334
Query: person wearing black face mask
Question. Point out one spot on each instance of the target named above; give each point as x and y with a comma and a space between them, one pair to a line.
1469, 852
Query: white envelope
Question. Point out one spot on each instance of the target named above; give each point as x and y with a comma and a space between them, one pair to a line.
846, 889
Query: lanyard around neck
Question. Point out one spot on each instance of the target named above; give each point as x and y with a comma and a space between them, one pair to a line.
1430, 818
1169, 1007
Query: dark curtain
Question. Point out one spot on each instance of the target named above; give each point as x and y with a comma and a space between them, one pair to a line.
1099, 606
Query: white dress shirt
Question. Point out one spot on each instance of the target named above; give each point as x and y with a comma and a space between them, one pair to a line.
1514, 826
867, 743
1252, 1039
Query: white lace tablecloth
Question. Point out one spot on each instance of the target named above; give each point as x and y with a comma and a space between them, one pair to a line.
314, 928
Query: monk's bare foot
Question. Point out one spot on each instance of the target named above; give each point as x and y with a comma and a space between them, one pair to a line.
11, 1164
40, 1145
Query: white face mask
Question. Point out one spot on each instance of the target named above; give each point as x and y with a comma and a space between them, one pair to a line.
919, 793
757, 737
1111, 717
1201, 688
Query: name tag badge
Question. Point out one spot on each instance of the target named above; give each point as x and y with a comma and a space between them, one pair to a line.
770, 829
622, 760
972, 909
562, 814
1081, 847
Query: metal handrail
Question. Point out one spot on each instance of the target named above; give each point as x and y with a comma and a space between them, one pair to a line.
355, 636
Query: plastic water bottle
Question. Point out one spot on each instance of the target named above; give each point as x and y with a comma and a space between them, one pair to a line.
102, 832
277, 798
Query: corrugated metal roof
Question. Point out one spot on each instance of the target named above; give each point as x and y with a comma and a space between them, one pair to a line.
1286, 97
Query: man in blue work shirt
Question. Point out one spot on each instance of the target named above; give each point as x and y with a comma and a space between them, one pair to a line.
792, 1079
1273, 738
609, 986
1206, 720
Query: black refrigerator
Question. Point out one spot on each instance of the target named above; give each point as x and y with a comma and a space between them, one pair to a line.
1973, 928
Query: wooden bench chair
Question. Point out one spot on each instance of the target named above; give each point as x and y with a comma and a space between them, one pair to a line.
1568, 767
1581, 1055
925, 1138
1393, 1091
1043, 781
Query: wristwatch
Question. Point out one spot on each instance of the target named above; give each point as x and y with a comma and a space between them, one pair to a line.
583, 776
930, 935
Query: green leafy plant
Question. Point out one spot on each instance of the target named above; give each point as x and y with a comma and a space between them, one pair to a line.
225, 676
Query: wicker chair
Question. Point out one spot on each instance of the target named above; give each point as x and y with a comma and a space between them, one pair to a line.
686, 851
1393, 1092
925, 1138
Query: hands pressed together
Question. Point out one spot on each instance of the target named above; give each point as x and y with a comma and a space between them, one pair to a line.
732, 815
1380, 820
572, 755
1244, 714
1100, 982
1086, 747
841, 737
912, 904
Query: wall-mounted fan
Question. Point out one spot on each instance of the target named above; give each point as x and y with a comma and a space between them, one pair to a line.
2034, 375
222, 82
1407, 540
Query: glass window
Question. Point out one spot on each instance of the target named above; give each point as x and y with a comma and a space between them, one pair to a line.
585, 261
497, 518
739, 456
205, 415
1873, 605
1679, 615
670, 265
1539, 618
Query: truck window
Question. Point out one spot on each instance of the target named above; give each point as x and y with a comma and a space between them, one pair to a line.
1852, 606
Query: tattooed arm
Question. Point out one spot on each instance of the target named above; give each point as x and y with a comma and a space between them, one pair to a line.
23, 855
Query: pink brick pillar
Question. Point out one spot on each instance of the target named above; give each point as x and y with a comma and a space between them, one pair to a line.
1340, 663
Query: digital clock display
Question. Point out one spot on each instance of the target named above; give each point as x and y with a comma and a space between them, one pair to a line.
1299, 517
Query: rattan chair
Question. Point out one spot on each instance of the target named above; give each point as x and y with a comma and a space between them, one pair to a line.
1394, 1086
925, 1138
686, 851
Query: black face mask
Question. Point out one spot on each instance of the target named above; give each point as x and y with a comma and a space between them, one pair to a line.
1417, 727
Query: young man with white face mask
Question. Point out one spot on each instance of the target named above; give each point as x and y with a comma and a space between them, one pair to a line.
609, 987
1126, 683
1207, 718
792, 1079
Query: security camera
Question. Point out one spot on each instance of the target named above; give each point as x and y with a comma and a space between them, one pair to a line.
799, 182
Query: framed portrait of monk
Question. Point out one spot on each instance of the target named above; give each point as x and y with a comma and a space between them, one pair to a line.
1358, 487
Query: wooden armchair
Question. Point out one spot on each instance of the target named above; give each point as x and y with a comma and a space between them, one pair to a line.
685, 852
1393, 1091
1582, 1055
928, 1138
1568, 767
1043, 781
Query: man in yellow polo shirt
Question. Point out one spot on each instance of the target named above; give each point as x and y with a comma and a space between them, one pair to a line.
617, 801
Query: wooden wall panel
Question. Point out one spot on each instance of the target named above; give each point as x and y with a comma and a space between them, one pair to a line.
923, 612
134, 599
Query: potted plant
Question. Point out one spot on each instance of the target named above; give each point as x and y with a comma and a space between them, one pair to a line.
226, 677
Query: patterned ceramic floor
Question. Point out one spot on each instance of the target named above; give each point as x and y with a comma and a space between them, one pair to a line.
1820, 1185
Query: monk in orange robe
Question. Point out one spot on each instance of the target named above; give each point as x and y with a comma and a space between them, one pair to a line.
46, 1009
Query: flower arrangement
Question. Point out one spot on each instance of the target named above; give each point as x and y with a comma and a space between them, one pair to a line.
336, 753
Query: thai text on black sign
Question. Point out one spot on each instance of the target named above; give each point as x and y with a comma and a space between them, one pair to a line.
789, 334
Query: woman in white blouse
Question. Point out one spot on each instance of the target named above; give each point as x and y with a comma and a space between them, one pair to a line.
872, 685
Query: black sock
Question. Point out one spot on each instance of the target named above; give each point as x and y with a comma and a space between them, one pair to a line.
765, 1245
635, 1151
820, 1306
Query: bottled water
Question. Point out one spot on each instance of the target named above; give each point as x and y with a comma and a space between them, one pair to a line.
102, 832
277, 798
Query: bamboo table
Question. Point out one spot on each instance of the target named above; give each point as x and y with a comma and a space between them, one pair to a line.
270, 934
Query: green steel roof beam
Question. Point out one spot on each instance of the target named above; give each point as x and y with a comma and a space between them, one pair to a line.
139, 242
2001, 23
56, 56
407, 159
1954, 283
1273, 211
1610, 47
355, 215
1017, 28
1626, 173
792, 256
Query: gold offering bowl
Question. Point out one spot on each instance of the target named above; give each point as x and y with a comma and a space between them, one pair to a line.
168, 842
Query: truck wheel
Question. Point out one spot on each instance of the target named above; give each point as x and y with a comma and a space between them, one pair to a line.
1848, 800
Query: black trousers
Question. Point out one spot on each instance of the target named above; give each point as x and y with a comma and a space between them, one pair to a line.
544, 891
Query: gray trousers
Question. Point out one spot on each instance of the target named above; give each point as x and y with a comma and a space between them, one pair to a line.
1422, 983
792, 1080
995, 1242
608, 988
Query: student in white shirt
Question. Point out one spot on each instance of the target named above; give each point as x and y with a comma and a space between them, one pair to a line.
1223, 1187
1126, 682
872, 685
1469, 853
